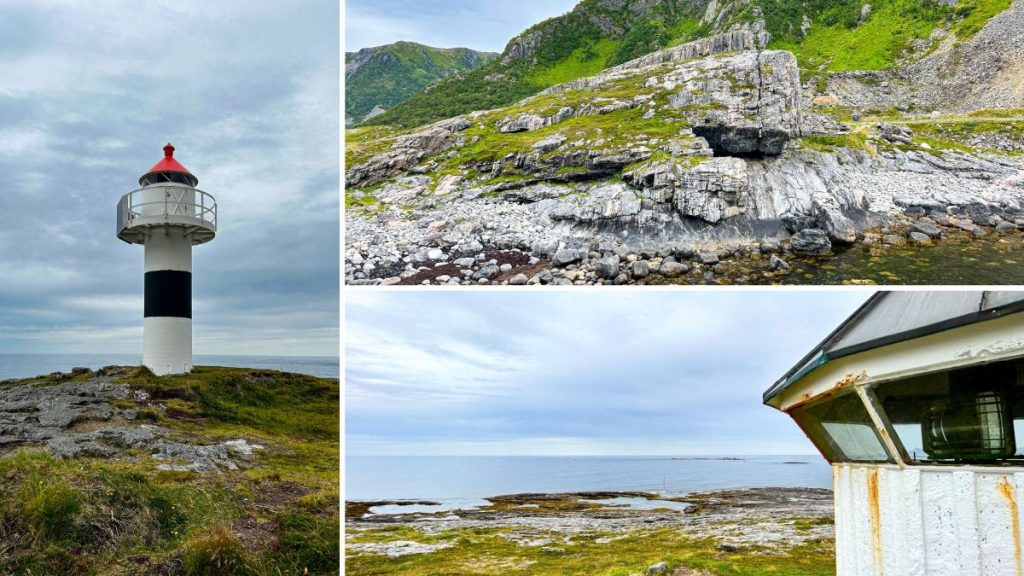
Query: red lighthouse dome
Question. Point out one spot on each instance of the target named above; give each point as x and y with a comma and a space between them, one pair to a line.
168, 170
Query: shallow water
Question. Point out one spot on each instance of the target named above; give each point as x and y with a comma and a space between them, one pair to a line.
955, 260
640, 504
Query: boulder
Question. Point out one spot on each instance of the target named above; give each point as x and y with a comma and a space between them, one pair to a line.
672, 269
926, 228
607, 268
919, 238
567, 256
811, 242
640, 269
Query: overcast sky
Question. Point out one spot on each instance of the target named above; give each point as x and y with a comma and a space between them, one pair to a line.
246, 91
577, 373
483, 25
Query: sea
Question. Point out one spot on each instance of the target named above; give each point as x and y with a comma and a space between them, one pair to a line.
464, 481
28, 365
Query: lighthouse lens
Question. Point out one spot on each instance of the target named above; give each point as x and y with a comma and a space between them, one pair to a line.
977, 427
964, 415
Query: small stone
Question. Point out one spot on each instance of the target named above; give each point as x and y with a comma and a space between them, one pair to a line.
894, 240
727, 548
1005, 226
435, 254
519, 280
505, 267
658, 569
621, 279
776, 263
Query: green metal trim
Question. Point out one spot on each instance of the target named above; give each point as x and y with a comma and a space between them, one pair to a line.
816, 362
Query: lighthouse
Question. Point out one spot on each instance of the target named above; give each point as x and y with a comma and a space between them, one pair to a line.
917, 402
168, 215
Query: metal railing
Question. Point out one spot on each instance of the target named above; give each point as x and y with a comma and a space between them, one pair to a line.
176, 200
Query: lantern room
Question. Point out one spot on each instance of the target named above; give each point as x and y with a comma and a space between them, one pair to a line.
917, 401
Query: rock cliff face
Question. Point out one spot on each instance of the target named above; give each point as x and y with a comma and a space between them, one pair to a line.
679, 152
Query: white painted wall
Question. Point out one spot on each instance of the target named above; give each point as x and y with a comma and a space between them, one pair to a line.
168, 249
928, 520
167, 345
167, 342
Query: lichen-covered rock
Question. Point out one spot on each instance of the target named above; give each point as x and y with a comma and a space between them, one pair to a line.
45, 414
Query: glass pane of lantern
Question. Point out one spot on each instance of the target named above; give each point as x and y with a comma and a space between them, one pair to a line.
964, 415
842, 430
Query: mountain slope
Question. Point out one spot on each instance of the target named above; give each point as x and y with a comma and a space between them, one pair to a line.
825, 35
387, 75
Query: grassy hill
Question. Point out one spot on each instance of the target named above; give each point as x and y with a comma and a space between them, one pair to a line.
387, 75
825, 35
133, 514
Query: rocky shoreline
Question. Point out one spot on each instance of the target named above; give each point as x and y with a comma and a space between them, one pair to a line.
758, 517
658, 169
647, 261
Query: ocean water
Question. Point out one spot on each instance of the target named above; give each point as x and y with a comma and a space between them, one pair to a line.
461, 481
27, 365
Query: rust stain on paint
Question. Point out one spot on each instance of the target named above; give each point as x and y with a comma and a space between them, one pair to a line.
1006, 490
876, 521
842, 384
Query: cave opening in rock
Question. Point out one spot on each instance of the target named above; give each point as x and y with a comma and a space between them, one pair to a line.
748, 143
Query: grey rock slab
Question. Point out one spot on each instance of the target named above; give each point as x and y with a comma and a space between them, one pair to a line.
926, 228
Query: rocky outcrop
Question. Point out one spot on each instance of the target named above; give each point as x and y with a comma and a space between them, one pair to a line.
90, 418
407, 151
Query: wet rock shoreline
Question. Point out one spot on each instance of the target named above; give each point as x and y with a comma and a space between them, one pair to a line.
745, 517
599, 262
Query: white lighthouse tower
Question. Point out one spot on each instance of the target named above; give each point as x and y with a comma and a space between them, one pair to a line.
168, 215
917, 401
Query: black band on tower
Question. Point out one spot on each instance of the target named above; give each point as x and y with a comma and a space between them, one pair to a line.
169, 294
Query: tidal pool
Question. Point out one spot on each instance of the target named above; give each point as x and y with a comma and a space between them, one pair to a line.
640, 504
956, 259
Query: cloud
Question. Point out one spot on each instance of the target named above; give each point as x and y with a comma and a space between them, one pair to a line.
577, 372
248, 93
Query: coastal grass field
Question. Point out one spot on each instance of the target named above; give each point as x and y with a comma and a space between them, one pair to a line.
477, 551
750, 532
124, 515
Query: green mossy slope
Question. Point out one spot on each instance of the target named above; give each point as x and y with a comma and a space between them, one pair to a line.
124, 516
602, 33
393, 73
